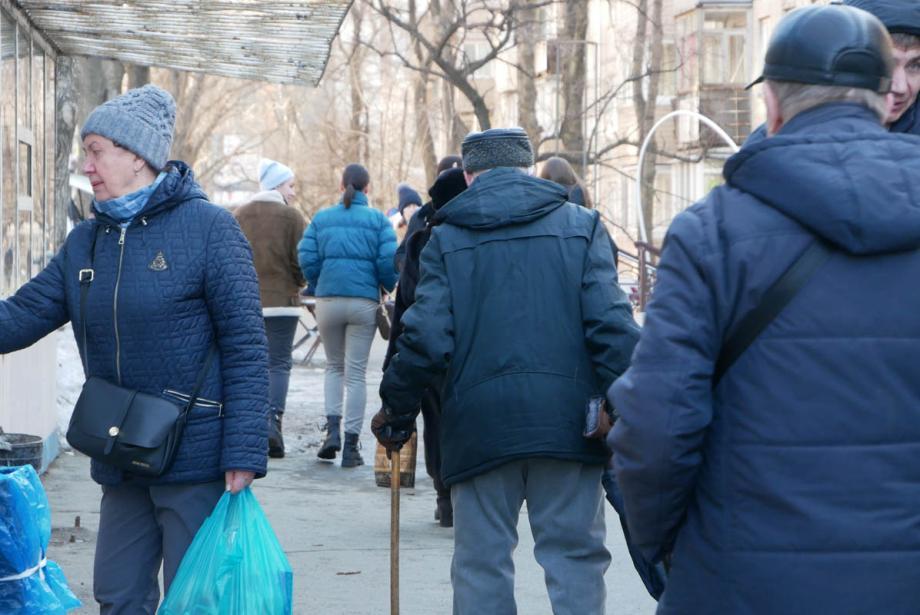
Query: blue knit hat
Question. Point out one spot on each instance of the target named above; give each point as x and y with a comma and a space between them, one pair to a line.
496, 147
407, 196
140, 120
272, 174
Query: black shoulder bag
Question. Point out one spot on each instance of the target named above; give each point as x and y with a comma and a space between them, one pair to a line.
134, 431
774, 300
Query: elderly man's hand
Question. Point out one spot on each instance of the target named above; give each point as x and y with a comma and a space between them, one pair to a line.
392, 430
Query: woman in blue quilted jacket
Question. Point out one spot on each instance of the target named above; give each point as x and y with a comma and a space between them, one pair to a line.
172, 283
346, 254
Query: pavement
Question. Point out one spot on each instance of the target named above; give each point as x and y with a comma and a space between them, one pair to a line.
334, 524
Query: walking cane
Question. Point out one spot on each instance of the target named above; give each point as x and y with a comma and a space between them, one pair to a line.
394, 533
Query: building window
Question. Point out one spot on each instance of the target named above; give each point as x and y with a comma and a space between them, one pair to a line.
724, 51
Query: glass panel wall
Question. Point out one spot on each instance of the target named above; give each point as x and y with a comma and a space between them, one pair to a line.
25, 152
27, 208
8, 220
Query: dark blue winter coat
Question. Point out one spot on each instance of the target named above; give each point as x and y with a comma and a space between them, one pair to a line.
187, 279
794, 486
519, 303
348, 252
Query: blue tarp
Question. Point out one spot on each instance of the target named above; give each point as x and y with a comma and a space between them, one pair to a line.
29, 583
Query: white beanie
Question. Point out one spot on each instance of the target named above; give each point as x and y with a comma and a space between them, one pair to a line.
272, 174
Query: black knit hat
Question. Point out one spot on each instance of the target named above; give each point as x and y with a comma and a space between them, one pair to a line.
449, 184
496, 147
830, 45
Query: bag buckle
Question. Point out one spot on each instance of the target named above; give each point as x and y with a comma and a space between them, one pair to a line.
86, 275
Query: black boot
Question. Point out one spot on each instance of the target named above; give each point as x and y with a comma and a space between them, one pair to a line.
445, 512
350, 456
333, 442
275, 439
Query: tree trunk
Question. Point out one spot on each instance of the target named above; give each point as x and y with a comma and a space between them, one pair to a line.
526, 71
573, 83
65, 105
357, 151
423, 128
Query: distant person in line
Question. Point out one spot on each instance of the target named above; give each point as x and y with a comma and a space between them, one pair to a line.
559, 170
449, 184
173, 276
274, 228
408, 203
420, 221
346, 255
789, 481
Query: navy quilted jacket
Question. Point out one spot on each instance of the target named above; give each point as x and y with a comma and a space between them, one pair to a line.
794, 486
518, 307
348, 252
186, 279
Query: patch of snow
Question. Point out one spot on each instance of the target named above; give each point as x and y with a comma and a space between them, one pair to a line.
69, 379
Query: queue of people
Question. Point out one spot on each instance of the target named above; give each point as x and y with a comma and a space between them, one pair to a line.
765, 424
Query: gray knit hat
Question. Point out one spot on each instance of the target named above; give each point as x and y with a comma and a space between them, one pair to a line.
496, 147
140, 120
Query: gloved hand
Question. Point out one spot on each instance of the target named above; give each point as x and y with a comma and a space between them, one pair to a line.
392, 430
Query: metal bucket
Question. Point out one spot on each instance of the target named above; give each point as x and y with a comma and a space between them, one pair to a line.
26, 449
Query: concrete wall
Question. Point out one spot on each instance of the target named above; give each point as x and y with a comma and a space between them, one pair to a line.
28, 394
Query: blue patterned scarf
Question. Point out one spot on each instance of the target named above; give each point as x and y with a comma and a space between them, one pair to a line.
123, 209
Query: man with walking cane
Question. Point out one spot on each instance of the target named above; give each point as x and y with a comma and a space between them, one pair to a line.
519, 310
769, 430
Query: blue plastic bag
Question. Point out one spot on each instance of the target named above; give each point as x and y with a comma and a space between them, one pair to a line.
234, 565
28, 582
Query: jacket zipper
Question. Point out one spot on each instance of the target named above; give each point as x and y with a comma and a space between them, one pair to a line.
121, 256
204, 403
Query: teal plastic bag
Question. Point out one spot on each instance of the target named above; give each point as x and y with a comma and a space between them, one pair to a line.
234, 565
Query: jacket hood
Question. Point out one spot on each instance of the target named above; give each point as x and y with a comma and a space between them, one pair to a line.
177, 187
502, 197
835, 170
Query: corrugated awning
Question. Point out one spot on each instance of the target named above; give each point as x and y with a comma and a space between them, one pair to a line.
279, 41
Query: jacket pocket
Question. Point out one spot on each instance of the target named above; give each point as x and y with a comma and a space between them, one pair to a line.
201, 402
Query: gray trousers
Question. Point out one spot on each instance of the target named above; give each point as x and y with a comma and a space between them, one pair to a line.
347, 326
139, 529
565, 506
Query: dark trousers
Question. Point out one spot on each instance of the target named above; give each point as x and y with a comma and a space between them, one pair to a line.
280, 331
140, 528
431, 414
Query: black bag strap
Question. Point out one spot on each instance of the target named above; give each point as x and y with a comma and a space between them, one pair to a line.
774, 300
86, 279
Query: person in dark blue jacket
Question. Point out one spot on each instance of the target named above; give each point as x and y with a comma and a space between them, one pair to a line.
902, 19
518, 311
346, 254
448, 185
791, 485
173, 277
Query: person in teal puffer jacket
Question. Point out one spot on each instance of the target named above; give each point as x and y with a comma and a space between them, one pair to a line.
346, 255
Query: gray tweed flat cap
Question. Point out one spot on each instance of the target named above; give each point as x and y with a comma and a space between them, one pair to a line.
140, 120
496, 147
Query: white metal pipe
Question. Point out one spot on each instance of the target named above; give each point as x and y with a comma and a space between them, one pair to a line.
643, 233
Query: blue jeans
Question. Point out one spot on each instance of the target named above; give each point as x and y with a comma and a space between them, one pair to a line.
280, 331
